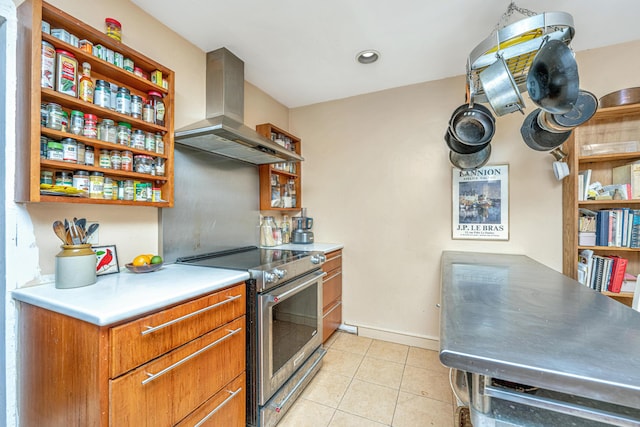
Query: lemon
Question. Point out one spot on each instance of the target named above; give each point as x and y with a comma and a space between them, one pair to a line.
140, 260
156, 259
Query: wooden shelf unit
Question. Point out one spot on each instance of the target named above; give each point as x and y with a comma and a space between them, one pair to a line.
31, 13
609, 125
268, 171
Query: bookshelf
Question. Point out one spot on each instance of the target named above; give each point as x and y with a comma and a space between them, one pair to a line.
606, 141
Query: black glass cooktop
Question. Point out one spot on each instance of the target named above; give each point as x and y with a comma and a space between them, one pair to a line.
245, 258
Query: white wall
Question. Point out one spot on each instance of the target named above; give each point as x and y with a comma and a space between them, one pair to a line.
377, 178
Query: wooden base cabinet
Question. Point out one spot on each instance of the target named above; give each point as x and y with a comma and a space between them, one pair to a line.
332, 294
181, 366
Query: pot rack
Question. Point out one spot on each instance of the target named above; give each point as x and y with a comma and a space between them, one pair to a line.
518, 44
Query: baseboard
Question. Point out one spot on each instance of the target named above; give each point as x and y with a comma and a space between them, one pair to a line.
428, 343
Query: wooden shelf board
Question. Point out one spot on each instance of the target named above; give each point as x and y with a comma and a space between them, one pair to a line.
609, 248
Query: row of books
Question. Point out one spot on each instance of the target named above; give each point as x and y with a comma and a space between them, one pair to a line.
625, 184
601, 272
618, 227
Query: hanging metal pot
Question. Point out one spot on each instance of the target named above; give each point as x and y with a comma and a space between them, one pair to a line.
583, 109
539, 139
472, 124
459, 147
553, 81
501, 88
470, 161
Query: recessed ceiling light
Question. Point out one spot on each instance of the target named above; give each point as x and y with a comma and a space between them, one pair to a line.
368, 56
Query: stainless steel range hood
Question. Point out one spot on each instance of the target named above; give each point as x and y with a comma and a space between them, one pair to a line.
223, 131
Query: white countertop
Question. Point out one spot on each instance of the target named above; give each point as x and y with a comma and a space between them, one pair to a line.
322, 247
116, 297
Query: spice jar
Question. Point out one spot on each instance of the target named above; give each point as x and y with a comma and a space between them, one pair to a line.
123, 101
70, 150
96, 185
127, 160
107, 131
128, 64
149, 142
76, 123
128, 190
124, 134
81, 180
107, 189
44, 141
54, 116
90, 126
81, 153
64, 178
267, 229
143, 163
136, 106
105, 159
137, 139
159, 143
102, 94
46, 177
64, 127
116, 160
86, 87
159, 166
155, 98
89, 156
113, 28
55, 151
148, 115
66, 73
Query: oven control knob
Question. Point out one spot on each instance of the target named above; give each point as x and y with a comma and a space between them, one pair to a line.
280, 273
318, 259
270, 277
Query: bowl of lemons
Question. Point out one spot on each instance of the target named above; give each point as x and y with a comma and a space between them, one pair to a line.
145, 263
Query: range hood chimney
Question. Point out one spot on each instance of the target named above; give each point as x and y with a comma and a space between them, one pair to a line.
223, 131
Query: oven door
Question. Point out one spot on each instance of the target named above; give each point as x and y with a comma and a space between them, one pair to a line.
289, 330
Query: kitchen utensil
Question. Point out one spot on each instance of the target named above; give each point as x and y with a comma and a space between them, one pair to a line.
630, 95
583, 109
92, 228
470, 161
58, 228
472, 125
500, 88
546, 121
539, 139
81, 223
459, 147
553, 82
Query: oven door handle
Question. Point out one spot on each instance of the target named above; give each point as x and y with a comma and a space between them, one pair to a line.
279, 297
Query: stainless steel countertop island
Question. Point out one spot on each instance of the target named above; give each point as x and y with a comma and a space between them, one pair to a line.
510, 317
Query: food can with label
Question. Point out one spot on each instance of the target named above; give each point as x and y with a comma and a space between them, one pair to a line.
48, 65
66, 73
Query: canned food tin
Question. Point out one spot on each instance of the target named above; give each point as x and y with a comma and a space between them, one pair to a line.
48, 75
66, 73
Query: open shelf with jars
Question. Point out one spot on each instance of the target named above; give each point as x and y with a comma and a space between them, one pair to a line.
280, 183
131, 145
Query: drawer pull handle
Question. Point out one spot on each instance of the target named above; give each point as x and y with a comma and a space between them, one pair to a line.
338, 304
189, 357
333, 276
151, 329
227, 400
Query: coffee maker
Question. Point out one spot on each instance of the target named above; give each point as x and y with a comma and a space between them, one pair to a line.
302, 228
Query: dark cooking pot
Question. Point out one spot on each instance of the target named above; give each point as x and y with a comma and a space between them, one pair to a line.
583, 109
472, 125
553, 81
539, 139
470, 161
459, 147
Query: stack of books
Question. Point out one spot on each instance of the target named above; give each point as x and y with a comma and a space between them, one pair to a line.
618, 227
601, 272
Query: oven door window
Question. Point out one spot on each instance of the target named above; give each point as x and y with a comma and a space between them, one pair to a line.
294, 322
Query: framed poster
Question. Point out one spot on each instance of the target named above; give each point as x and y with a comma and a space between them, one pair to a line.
481, 203
106, 259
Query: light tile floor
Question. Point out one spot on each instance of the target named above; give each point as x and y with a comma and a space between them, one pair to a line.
370, 383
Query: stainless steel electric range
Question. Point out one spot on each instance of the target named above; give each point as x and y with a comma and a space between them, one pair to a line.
284, 324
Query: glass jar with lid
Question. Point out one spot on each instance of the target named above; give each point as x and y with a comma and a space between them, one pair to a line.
155, 98
143, 164
137, 139
123, 101
159, 143
124, 133
96, 185
70, 150
116, 159
102, 94
107, 131
267, 230
89, 156
90, 126
76, 123
54, 116
105, 159
159, 166
55, 151
136, 106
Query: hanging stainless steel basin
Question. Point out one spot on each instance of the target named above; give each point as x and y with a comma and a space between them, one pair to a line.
501, 89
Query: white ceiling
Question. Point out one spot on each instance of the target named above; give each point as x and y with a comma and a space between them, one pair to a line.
303, 52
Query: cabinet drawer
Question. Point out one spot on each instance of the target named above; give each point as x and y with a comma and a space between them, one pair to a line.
141, 340
331, 288
226, 408
331, 320
334, 260
167, 389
